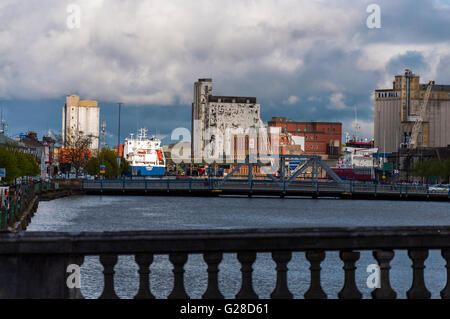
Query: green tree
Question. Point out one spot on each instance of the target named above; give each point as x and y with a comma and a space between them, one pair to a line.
27, 164
124, 166
17, 163
432, 169
8, 162
108, 158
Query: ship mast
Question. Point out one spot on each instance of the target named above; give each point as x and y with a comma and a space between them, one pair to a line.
142, 134
357, 126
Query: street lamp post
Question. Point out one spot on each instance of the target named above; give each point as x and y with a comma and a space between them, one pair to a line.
118, 143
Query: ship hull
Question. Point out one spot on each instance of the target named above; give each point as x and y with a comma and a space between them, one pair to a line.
148, 170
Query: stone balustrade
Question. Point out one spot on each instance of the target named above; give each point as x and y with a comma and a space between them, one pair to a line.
34, 264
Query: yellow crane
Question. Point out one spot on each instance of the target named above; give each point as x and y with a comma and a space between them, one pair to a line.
418, 123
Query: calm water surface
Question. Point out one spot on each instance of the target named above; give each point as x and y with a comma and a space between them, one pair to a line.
109, 213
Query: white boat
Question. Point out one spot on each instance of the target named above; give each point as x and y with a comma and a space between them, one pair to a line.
145, 155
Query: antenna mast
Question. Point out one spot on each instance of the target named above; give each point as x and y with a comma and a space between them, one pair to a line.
103, 133
3, 124
357, 126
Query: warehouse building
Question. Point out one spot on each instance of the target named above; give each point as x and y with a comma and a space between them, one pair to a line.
397, 109
213, 115
315, 138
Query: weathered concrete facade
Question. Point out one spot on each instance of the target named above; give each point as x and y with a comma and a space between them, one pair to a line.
212, 116
202, 89
396, 110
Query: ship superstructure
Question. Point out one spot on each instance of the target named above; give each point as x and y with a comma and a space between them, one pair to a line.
145, 155
358, 161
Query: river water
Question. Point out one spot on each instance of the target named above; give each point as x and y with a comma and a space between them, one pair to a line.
110, 213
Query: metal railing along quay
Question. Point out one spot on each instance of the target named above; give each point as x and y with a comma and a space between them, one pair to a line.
35, 264
214, 186
15, 202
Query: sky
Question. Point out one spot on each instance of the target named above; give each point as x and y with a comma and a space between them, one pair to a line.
311, 60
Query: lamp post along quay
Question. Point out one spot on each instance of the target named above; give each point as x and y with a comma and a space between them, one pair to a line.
118, 142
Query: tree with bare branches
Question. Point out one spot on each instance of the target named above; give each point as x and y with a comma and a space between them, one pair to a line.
75, 153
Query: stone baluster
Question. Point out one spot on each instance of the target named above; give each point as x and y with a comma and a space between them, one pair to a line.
384, 257
144, 261
178, 260
281, 290
445, 293
246, 259
350, 290
315, 290
108, 262
418, 289
75, 293
213, 260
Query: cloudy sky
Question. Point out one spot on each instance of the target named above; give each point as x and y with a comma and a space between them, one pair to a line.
307, 60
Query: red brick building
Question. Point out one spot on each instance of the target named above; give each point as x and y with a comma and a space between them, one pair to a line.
320, 138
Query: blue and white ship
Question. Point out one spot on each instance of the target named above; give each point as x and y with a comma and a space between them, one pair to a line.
145, 155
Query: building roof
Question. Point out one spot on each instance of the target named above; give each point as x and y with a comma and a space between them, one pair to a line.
6, 140
232, 99
423, 87
285, 120
31, 140
88, 103
436, 87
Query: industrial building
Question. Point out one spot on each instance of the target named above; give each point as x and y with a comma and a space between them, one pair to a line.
80, 117
407, 116
315, 138
213, 115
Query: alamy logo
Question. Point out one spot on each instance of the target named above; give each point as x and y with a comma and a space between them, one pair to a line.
374, 19
74, 18
373, 280
74, 278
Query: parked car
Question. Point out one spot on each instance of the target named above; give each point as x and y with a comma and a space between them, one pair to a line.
439, 188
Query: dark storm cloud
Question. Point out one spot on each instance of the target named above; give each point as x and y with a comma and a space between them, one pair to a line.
407, 22
307, 60
410, 60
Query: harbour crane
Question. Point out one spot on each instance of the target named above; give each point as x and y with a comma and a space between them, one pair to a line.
418, 123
